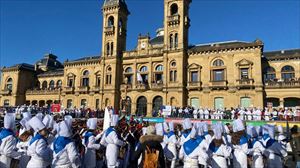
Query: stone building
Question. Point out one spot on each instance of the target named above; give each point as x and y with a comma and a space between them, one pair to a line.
163, 70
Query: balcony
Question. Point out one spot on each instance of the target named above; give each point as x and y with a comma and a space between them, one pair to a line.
194, 85
110, 30
96, 88
174, 19
245, 83
126, 87
280, 84
5, 92
157, 86
69, 89
218, 85
55, 91
141, 87
83, 89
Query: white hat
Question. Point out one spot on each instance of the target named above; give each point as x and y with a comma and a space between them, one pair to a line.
249, 130
226, 129
166, 127
114, 120
24, 123
36, 124
280, 129
200, 129
64, 129
39, 116
92, 123
217, 128
171, 126
238, 125
205, 126
69, 120
193, 133
159, 129
150, 130
187, 124
258, 130
9, 121
26, 115
144, 130
48, 121
271, 129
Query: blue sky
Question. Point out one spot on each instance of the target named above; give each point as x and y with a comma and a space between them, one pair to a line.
72, 29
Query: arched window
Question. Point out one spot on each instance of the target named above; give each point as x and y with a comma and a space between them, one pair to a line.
270, 74
52, 84
159, 68
85, 78
287, 72
143, 69
107, 49
157, 103
59, 84
69, 103
218, 63
9, 84
110, 21
128, 75
174, 9
173, 72
218, 71
83, 103
141, 106
44, 85
111, 48
176, 40
108, 76
171, 41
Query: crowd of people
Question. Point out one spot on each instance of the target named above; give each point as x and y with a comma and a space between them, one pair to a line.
45, 140
256, 114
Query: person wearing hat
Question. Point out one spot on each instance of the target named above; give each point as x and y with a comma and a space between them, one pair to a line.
112, 142
49, 123
256, 148
187, 126
274, 150
8, 142
281, 138
65, 154
90, 144
191, 150
171, 142
240, 144
38, 150
151, 142
218, 151
206, 134
202, 159
25, 135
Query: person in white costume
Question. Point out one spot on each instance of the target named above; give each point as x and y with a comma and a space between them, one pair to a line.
8, 142
89, 142
187, 126
281, 138
191, 150
38, 148
202, 159
112, 143
218, 151
25, 136
65, 154
240, 144
256, 148
171, 144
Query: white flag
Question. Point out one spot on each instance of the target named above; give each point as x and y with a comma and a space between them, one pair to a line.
139, 77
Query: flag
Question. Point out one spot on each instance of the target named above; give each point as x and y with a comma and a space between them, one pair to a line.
139, 77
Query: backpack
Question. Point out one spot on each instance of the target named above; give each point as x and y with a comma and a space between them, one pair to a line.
151, 158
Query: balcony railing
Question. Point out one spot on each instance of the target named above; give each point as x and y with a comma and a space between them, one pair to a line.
282, 84
5, 92
69, 89
109, 30
194, 85
96, 88
173, 19
157, 86
218, 84
83, 88
126, 87
141, 87
245, 83
43, 91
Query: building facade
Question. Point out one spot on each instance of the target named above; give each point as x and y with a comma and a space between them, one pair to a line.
163, 70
